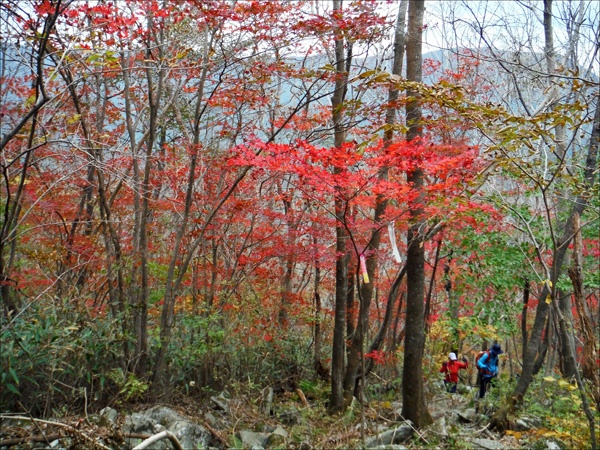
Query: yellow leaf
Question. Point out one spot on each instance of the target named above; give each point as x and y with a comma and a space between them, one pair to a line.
515, 434
382, 77
549, 299
549, 379
74, 118
367, 74
17, 181
563, 383
328, 67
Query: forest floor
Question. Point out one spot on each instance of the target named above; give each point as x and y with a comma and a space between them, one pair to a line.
461, 421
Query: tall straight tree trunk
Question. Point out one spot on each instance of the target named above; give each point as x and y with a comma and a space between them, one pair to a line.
372, 251
336, 401
564, 334
413, 399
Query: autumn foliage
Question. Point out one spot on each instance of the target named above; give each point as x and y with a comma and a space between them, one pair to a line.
168, 189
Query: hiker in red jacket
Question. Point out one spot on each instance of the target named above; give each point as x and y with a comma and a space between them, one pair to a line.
451, 368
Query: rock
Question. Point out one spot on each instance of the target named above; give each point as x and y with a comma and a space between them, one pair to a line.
488, 444
527, 423
521, 425
439, 428
552, 445
163, 415
160, 418
211, 420
467, 416
290, 417
139, 423
391, 436
277, 437
280, 431
221, 402
252, 439
108, 416
268, 402
275, 440
379, 428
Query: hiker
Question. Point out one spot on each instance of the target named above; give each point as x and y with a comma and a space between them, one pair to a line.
451, 368
488, 368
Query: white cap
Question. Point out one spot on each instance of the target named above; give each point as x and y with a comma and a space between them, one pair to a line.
452, 356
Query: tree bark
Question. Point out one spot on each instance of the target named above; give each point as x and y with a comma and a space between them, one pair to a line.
526, 292
318, 365
448, 287
567, 341
589, 367
413, 398
336, 401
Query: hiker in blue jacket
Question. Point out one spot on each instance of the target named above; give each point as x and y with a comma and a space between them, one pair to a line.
488, 368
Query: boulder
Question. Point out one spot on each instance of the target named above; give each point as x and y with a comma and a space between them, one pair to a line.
392, 436
160, 418
527, 423
252, 439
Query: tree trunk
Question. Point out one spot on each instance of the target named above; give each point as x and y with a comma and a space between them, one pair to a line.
378, 341
413, 399
526, 292
318, 365
427, 312
551, 338
336, 401
567, 365
366, 290
541, 357
589, 367
563, 325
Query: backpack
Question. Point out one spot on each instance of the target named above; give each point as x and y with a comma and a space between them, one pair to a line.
478, 357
